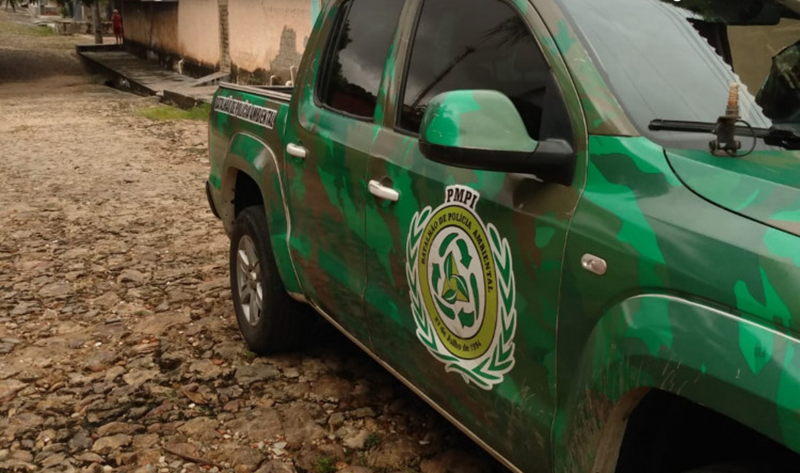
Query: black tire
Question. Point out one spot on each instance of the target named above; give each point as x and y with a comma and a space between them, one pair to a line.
280, 319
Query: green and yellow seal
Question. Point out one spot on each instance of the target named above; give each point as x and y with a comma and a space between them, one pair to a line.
452, 268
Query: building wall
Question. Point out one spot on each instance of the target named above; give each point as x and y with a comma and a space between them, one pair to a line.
268, 36
152, 25
198, 31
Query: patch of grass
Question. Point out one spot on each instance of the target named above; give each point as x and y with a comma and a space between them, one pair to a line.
41, 31
249, 355
325, 465
373, 440
166, 112
27, 30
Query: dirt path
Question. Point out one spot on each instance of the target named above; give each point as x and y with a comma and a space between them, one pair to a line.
118, 346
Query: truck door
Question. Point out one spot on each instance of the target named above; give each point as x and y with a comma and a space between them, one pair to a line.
328, 142
465, 266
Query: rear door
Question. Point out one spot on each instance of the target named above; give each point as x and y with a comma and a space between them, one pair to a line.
465, 266
328, 144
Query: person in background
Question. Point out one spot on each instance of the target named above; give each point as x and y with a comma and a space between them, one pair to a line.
116, 22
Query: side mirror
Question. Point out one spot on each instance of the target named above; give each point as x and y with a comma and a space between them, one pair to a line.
482, 129
779, 97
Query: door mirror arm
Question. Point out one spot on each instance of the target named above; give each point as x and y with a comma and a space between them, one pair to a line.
552, 161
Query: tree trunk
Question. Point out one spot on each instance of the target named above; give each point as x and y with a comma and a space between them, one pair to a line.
98, 22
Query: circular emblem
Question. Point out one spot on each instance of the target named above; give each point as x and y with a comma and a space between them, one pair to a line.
462, 289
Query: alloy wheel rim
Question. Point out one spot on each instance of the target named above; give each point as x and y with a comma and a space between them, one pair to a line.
248, 277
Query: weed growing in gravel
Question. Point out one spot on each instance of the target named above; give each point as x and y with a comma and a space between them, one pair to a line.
249, 355
165, 112
373, 440
325, 465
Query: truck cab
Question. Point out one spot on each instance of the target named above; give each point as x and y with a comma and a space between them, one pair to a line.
556, 221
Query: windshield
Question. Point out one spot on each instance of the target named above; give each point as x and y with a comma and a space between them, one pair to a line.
675, 60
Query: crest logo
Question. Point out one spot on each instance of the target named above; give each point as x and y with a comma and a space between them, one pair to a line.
461, 283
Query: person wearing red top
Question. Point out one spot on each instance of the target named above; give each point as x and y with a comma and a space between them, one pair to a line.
116, 22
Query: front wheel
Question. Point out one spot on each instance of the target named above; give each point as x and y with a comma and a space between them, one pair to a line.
270, 320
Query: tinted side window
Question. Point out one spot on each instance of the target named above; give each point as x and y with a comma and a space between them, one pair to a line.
474, 44
356, 54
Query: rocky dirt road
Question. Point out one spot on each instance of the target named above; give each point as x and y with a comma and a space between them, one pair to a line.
118, 346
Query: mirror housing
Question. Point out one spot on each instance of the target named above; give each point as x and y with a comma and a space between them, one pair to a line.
482, 129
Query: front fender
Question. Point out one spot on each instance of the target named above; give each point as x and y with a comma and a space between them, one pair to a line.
252, 156
724, 361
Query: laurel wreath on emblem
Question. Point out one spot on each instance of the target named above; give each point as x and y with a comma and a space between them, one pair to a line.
494, 364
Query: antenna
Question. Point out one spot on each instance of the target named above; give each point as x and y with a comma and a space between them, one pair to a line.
726, 143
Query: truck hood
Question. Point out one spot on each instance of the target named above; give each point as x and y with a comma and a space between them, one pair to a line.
764, 186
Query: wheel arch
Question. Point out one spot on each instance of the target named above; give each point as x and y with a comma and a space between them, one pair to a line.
251, 161
726, 362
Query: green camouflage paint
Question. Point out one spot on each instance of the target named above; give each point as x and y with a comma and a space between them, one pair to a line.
494, 125
696, 303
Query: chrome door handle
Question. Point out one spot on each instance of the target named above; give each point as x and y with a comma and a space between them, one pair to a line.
297, 151
382, 192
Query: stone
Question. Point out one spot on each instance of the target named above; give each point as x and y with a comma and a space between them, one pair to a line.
359, 469
200, 428
89, 457
214, 284
260, 424
132, 275
80, 441
356, 441
113, 428
276, 466
113, 373
22, 455
159, 323
336, 420
232, 406
183, 448
52, 460
362, 412
112, 444
242, 459
107, 300
145, 441
328, 387
23, 424
395, 453
300, 425
100, 360
206, 370
291, 372
137, 377
9, 389
56, 290
249, 374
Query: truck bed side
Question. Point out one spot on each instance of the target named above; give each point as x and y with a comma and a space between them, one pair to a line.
246, 142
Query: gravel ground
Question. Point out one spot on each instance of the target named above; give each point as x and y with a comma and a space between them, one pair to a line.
118, 345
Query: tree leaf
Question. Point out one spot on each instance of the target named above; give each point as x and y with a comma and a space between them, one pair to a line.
450, 295
448, 265
461, 288
467, 319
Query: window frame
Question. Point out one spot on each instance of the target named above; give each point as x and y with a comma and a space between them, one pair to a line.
410, 53
327, 55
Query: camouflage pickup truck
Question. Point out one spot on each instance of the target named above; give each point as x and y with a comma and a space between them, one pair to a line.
571, 226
